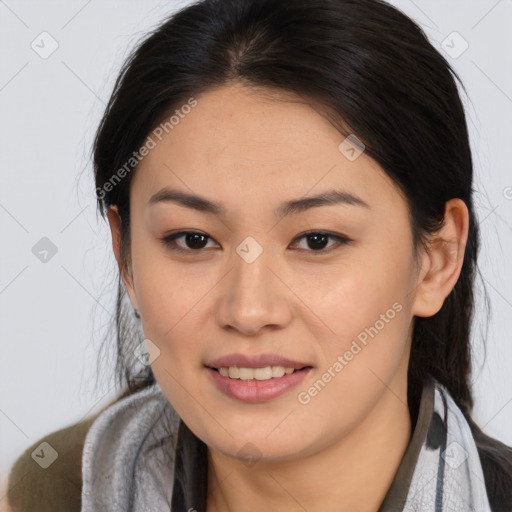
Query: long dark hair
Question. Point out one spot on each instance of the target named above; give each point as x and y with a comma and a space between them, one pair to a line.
375, 74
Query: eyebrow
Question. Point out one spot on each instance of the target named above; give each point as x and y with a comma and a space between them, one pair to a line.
202, 204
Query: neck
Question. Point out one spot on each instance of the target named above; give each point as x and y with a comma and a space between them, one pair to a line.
354, 473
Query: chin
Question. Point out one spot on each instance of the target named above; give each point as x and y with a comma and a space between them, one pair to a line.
260, 447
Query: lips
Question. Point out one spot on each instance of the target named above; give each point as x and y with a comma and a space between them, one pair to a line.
256, 361
256, 378
254, 391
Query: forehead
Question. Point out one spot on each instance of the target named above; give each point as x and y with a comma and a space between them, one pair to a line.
255, 143
235, 124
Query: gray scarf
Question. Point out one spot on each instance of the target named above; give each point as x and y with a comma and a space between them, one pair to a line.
128, 462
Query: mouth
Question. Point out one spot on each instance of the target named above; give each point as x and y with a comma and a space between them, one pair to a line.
256, 378
254, 385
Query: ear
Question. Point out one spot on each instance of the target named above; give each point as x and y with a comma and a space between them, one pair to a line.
442, 262
114, 219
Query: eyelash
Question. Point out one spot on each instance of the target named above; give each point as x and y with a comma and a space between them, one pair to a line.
170, 241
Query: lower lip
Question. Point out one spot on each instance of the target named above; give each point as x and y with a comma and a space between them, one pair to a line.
257, 390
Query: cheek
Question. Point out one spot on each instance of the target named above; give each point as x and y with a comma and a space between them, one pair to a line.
366, 319
367, 330
350, 298
168, 304
170, 316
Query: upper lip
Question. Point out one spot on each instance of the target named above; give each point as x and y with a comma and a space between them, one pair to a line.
255, 361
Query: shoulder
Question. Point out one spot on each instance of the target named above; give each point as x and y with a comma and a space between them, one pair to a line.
47, 475
496, 459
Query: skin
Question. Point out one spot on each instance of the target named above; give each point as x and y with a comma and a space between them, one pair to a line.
252, 150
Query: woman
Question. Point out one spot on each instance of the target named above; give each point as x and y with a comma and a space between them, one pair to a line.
281, 370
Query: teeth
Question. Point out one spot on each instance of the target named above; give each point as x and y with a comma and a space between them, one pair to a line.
233, 372
266, 373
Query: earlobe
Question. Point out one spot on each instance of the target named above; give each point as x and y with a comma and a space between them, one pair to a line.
442, 263
114, 219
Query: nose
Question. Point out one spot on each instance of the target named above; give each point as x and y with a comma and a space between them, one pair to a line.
253, 296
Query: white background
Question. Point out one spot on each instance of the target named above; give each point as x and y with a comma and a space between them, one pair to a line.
54, 314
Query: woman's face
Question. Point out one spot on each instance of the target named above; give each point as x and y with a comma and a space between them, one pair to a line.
250, 285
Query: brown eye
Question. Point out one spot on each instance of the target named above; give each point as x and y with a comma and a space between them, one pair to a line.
317, 241
194, 241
